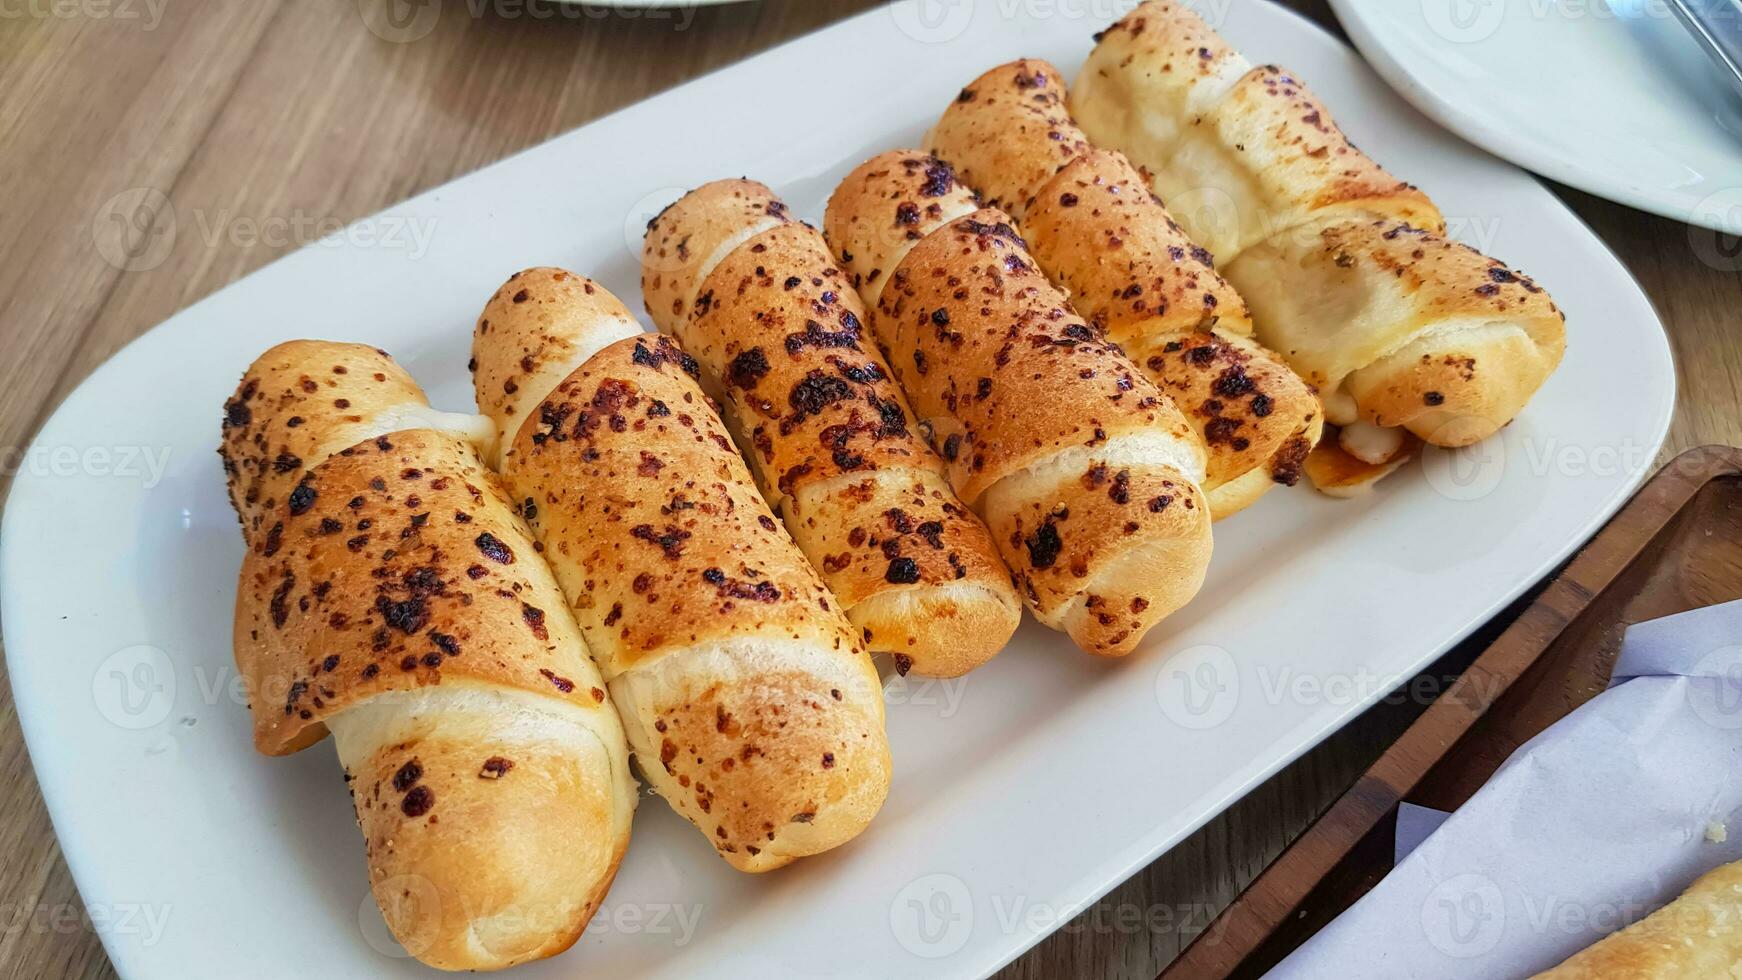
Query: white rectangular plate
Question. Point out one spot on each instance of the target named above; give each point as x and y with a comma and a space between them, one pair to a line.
1021, 794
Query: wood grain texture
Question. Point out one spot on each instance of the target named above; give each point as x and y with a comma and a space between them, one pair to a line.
225, 112
1555, 656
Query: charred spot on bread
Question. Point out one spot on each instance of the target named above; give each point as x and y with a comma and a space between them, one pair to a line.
494, 548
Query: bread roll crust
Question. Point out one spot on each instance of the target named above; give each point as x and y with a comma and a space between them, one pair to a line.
783, 335
1008, 133
1148, 76
686, 240
1425, 332
1345, 268
504, 861
1061, 443
1697, 935
1105, 232
744, 692
395, 598
781, 328
887, 205
1003, 375
400, 564
299, 403
665, 542
543, 323
1239, 153
1104, 238
1110, 244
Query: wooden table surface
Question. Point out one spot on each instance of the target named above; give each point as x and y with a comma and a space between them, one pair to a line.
269, 113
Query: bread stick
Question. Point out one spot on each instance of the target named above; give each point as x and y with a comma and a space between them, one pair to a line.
1346, 269
1105, 239
747, 698
784, 337
1087, 474
392, 595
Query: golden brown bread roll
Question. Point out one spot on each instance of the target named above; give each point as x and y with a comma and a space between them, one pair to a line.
391, 595
1104, 238
746, 695
674, 261
1085, 471
782, 335
544, 343
1420, 332
1345, 268
885, 208
1699, 935
290, 414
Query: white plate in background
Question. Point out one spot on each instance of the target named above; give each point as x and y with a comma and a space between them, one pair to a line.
1613, 97
1021, 793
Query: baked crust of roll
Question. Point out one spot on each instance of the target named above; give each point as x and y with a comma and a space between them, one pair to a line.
1086, 473
1239, 153
543, 323
884, 208
301, 402
782, 335
398, 557
745, 694
1105, 239
1008, 133
396, 599
686, 240
1346, 269
1697, 935
1424, 332
639, 487
507, 864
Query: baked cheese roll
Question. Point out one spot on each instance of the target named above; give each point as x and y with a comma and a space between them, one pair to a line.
674, 258
1240, 153
545, 341
1332, 253
394, 597
291, 413
746, 695
1104, 238
886, 207
1406, 329
1085, 471
1697, 935
780, 331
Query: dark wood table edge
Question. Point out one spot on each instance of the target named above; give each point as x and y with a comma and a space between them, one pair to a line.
1278, 891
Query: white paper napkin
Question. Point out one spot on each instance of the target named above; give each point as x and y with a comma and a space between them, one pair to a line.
1588, 827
